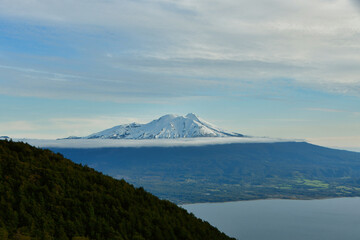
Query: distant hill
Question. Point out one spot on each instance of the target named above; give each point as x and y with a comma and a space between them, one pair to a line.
229, 172
169, 127
45, 196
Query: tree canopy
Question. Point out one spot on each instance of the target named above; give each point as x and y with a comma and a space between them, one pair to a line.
45, 196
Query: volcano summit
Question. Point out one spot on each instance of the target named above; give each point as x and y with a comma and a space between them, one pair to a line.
166, 127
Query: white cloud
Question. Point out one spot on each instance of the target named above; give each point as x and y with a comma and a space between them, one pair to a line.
341, 142
100, 143
331, 110
315, 43
18, 126
86, 126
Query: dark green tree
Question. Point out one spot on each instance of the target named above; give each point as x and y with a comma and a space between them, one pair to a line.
44, 196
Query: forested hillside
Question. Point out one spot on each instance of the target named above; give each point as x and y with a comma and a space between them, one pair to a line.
45, 196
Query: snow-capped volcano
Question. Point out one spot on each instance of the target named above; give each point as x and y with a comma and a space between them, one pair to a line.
169, 126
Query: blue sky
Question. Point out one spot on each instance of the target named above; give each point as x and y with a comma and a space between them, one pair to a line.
271, 68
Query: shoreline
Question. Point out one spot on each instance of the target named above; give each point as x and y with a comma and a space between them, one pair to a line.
265, 199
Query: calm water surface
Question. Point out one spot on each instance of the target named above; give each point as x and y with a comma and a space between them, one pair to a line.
328, 219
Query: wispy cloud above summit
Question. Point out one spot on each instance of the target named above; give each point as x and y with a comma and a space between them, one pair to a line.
331, 110
172, 43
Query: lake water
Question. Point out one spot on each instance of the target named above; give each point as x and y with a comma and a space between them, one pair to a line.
327, 219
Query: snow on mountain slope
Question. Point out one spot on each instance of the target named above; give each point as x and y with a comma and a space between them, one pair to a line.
166, 127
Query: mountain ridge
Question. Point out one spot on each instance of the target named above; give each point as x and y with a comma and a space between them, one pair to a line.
230, 172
